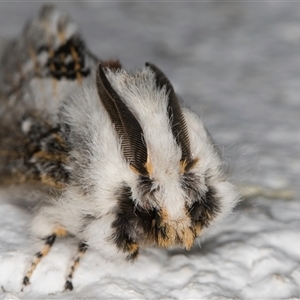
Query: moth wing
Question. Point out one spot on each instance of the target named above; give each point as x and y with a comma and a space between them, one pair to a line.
46, 62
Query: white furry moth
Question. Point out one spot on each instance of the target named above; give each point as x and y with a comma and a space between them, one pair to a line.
119, 163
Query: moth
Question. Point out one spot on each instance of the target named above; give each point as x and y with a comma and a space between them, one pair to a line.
114, 157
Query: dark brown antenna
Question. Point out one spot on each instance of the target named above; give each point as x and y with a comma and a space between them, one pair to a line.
126, 125
176, 117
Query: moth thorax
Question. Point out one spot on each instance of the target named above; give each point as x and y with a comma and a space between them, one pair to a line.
164, 165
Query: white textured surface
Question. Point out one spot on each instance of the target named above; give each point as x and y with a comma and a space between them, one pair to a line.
237, 65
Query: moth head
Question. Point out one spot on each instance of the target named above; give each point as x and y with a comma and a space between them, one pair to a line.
179, 188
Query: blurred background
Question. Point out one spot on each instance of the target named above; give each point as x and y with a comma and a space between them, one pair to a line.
237, 64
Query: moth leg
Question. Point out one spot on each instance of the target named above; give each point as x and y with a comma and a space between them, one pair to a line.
49, 241
81, 250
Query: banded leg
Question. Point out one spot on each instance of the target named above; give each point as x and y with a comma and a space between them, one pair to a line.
81, 250
49, 241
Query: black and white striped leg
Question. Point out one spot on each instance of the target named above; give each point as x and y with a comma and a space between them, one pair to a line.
49, 241
81, 250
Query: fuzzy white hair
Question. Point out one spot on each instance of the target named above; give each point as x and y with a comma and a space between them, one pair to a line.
89, 204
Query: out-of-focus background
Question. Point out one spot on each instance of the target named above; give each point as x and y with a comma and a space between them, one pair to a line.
237, 64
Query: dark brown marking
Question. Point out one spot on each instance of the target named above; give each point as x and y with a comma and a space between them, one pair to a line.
74, 69
205, 209
124, 224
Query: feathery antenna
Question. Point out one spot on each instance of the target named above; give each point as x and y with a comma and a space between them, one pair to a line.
126, 125
176, 117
